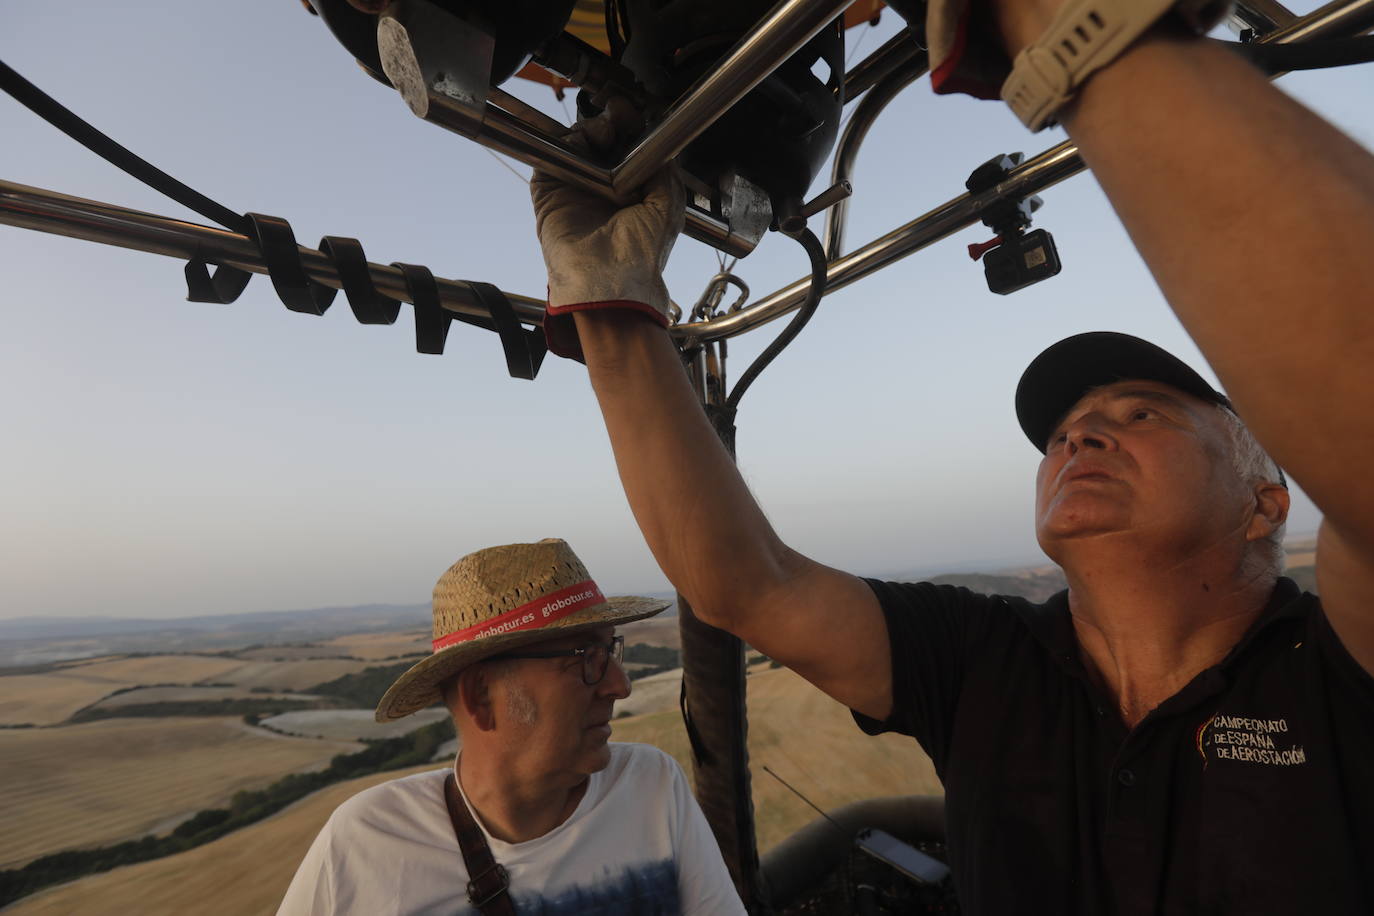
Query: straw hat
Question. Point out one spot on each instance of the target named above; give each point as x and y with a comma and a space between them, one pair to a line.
496, 599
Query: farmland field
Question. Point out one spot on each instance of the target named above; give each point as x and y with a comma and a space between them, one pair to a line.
652, 694
245, 872
289, 653
655, 631
348, 724
803, 735
101, 782
52, 696
142, 695
289, 676
381, 645
808, 739
150, 669
46, 699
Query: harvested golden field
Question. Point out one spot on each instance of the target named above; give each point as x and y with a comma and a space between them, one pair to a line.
651, 694
51, 697
808, 739
243, 873
151, 669
812, 742
46, 699
117, 779
655, 631
374, 646
290, 676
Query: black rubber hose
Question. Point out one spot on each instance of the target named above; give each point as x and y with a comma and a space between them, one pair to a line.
816, 253
59, 116
1316, 54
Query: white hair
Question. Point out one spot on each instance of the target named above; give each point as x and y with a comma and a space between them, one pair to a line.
520, 703
1252, 464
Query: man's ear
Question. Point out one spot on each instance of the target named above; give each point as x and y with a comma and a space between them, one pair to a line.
1270, 512
474, 697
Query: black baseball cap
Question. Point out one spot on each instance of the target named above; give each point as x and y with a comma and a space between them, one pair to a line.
1064, 372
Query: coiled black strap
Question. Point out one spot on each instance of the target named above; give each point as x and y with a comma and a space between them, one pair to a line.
276, 245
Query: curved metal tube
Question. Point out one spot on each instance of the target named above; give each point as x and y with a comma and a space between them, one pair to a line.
865, 113
94, 221
877, 66
788, 26
1032, 176
1338, 18
510, 133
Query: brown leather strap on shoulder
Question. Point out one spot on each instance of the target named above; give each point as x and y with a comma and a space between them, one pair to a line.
488, 883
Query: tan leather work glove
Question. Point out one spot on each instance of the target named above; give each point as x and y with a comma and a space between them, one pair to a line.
599, 255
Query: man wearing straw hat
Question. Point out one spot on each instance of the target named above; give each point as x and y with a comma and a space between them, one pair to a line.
526, 660
1182, 730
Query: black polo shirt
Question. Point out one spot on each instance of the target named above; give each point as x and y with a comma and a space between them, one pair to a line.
1250, 791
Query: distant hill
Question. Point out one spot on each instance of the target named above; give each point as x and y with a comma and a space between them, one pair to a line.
37, 640
40, 640
1035, 583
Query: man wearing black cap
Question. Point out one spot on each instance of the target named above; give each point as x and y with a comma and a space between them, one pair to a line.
1181, 731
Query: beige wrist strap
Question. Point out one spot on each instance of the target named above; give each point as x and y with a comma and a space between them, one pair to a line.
1085, 36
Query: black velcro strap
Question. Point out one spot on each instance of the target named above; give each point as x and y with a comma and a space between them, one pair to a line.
524, 349
431, 318
224, 286
277, 245
369, 306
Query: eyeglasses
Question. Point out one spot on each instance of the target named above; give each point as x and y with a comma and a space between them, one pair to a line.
595, 658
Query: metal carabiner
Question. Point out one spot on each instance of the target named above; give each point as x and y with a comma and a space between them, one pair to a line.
709, 302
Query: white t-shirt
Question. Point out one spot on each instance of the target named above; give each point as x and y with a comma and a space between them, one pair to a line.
637, 844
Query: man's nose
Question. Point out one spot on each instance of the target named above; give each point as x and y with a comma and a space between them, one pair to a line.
1089, 431
616, 683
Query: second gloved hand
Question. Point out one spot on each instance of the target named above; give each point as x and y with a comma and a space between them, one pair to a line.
599, 255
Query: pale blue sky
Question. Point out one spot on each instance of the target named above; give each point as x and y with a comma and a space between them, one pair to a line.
164, 458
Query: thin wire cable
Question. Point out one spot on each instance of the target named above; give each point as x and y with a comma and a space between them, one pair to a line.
849, 59
511, 168
816, 253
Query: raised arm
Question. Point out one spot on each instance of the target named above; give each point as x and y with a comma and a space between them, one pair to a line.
698, 517
1256, 217
710, 536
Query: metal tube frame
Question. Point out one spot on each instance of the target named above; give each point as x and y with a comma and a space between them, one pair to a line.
874, 68
49, 211
1337, 18
1262, 15
75, 217
788, 26
865, 113
511, 127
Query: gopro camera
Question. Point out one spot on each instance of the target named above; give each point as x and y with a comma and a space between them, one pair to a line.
1020, 261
